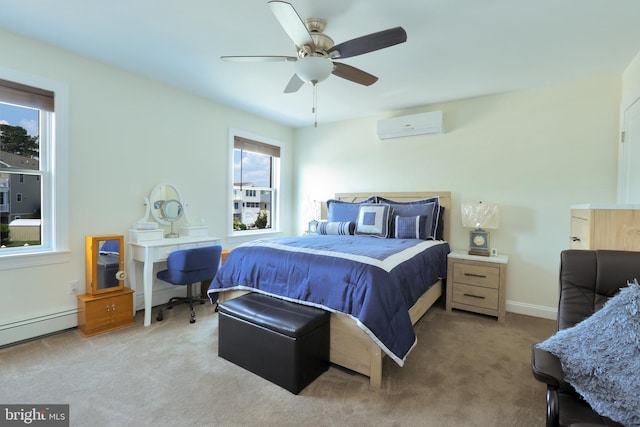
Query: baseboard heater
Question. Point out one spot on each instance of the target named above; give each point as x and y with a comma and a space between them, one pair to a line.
414, 124
34, 327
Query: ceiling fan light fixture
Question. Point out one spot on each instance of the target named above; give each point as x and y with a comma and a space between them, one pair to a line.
313, 69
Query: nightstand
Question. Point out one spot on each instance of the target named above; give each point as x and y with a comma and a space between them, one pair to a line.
477, 283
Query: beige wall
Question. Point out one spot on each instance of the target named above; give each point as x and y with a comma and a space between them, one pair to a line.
534, 153
126, 134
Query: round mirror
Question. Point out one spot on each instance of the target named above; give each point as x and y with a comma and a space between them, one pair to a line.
161, 195
171, 210
166, 206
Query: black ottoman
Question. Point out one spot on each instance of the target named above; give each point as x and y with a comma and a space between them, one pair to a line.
283, 342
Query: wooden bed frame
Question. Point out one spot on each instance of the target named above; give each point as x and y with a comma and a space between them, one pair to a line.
350, 346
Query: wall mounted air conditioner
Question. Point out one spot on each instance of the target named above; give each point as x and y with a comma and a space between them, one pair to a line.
414, 124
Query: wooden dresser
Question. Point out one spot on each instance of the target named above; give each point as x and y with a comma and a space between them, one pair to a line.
605, 227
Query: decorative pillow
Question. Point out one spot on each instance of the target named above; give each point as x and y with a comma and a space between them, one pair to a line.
412, 227
374, 219
339, 211
429, 207
600, 356
337, 228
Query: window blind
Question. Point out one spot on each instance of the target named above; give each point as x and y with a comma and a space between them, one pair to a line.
240, 143
25, 96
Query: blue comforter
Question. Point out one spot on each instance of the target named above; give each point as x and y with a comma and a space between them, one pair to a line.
375, 281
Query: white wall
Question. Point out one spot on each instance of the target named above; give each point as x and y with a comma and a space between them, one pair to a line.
126, 135
631, 83
630, 93
534, 153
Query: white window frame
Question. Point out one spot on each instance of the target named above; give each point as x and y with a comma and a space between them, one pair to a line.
275, 223
55, 179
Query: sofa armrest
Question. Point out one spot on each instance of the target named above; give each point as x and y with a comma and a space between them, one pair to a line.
546, 367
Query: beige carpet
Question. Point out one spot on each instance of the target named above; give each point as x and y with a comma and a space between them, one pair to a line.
466, 370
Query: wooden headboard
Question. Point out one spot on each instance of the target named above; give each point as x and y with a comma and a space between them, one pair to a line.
445, 201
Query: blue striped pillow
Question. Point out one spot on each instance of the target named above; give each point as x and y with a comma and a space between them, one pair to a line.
342, 228
412, 227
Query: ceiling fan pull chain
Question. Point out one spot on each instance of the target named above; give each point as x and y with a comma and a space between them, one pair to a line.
314, 109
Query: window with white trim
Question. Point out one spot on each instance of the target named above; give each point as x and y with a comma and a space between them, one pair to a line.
256, 182
33, 170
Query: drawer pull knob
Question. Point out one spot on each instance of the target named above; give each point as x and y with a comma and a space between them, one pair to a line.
474, 296
575, 239
475, 275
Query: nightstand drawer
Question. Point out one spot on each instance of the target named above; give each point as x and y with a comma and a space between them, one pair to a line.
479, 275
475, 296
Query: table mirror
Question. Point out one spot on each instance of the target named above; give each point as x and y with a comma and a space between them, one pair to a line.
166, 206
104, 264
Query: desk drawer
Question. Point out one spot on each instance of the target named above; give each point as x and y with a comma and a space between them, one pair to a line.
480, 275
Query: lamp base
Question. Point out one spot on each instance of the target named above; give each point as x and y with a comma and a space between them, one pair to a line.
479, 252
479, 242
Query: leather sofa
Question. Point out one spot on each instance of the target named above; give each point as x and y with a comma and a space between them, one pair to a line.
587, 280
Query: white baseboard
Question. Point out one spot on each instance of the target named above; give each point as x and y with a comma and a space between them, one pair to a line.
532, 310
31, 328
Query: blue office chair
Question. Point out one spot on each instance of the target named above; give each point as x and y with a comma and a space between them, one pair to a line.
188, 266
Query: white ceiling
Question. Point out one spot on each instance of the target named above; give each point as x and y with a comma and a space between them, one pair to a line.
455, 48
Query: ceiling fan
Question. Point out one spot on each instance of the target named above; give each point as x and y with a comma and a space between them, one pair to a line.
316, 51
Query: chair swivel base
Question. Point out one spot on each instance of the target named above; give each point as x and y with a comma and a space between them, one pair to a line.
181, 300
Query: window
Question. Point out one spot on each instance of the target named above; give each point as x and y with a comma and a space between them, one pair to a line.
33, 170
256, 181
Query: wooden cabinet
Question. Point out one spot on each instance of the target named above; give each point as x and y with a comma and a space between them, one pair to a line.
107, 305
105, 312
604, 228
477, 283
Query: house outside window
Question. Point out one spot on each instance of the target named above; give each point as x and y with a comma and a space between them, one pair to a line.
33, 166
256, 182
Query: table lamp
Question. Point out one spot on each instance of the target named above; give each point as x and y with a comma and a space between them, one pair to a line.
479, 216
315, 213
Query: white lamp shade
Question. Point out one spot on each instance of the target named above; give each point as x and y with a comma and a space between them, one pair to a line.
480, 215
313, 68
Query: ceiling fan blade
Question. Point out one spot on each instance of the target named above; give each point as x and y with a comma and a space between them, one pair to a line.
291, 23
353, 74
294, 84
369, 43
259, 58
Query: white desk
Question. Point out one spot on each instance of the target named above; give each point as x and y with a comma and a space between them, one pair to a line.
153, 251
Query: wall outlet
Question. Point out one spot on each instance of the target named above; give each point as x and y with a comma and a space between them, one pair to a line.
73, 287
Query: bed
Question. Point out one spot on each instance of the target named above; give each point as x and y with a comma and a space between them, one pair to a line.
359, 341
